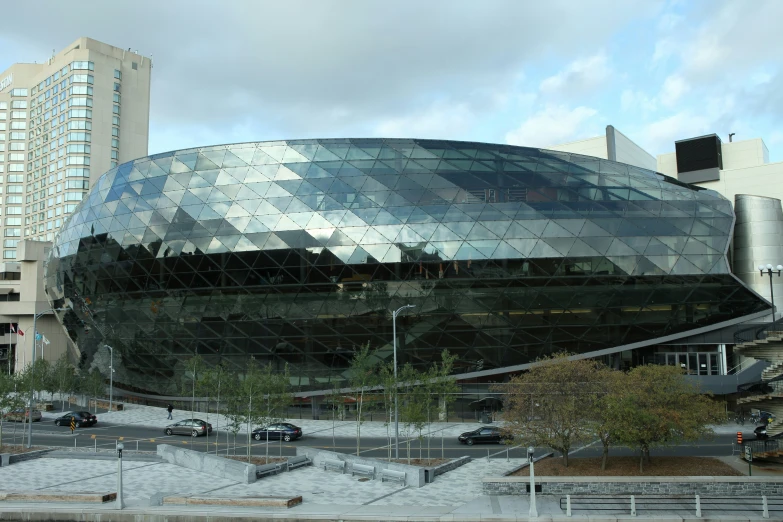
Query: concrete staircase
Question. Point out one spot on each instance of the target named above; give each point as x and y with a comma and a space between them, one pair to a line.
770, 350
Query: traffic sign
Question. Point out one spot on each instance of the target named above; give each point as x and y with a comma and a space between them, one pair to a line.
73, 424
748, 453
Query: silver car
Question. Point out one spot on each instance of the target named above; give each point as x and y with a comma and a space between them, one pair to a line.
192, 427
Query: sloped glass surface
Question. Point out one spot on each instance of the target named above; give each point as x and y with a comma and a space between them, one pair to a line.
296, 252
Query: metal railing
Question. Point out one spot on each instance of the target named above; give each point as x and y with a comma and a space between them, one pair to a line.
761, 445
755, 332
696, 504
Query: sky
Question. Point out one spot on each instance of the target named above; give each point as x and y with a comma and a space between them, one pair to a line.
522, 72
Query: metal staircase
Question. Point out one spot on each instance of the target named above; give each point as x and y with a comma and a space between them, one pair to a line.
770, 396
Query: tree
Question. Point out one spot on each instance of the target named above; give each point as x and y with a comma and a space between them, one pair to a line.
388, 384
552, 403
93, 384
63, 377
215, 380
413, 404
9, 399
251, 397
362, 377
660, 407
233, 404
440, 388
275, 386
611, 382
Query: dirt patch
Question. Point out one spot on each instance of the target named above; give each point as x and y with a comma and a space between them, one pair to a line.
258, 461
15, 449
629, 467
427, 463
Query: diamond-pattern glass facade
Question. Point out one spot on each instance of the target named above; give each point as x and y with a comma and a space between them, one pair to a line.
295, 252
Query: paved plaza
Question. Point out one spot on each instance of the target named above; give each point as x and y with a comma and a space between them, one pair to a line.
327, 495
455, 491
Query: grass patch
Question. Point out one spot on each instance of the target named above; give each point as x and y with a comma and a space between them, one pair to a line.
16, 449
258, 461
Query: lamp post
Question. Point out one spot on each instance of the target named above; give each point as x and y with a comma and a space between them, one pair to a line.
396, 406
120, 447
769, 270
32, 373
111, 375
533, 513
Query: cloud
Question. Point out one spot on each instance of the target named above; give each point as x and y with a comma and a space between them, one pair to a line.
297, 68
637, 102
578, 78
440, 121
552, 125
673, 88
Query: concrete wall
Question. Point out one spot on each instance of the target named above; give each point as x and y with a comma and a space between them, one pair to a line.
626, 151
595, 147
414, 475
713, 486
217, 466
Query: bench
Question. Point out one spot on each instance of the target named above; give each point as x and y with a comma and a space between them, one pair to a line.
268, 469
295, 462
361, 469
336, 465
390, 474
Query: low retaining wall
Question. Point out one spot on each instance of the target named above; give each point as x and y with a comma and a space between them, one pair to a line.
431, 473
711, 486
6, 459
217, 466
414, 475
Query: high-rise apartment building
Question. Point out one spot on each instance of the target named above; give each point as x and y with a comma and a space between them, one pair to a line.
63, 123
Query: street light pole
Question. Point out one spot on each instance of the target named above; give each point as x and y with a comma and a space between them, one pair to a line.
111, 375
533, 513
120, 447
32, 374
396, 403
769, 270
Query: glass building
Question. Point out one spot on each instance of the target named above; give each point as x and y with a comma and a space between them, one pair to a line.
297, 252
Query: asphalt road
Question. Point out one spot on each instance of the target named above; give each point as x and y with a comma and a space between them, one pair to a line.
105, 436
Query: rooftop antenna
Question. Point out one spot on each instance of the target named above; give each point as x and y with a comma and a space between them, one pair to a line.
730, 135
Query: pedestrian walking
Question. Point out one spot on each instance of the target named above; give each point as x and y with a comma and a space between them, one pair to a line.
170, 409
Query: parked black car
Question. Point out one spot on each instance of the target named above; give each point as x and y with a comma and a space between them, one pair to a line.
485, 434
83, 419
281, 430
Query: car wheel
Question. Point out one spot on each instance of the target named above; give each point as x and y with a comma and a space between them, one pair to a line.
56, 423
287, 438
168, 431
194, 433
257, 436
469, 442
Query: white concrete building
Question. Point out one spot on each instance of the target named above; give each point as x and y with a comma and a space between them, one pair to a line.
614, 145
63, 123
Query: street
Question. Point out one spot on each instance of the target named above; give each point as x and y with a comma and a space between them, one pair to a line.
106, 435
